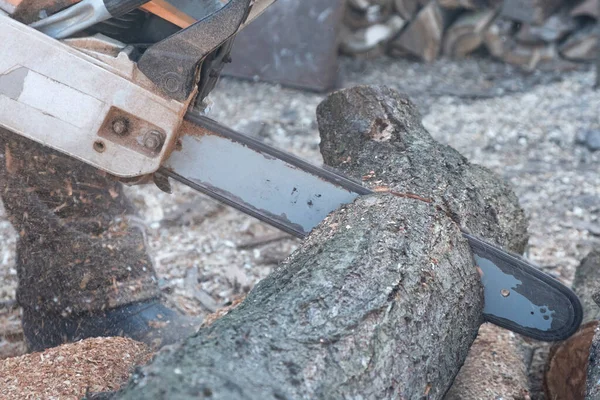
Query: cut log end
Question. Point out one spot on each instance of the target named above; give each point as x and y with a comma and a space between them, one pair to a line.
575, 363
565, 377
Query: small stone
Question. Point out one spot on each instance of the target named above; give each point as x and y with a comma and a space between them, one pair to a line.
590, 139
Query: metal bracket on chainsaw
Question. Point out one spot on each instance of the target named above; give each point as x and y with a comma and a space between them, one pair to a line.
109, 117
172, 64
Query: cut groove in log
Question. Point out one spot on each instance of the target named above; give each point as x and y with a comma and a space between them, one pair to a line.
382, 299
465, 35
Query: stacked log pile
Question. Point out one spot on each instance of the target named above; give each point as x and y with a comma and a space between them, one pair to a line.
528, 33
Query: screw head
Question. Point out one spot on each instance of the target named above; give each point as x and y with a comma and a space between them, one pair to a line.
172, 82
153, 140
120, 126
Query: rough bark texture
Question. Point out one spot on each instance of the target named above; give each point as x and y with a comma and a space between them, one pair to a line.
375, 134
381, 300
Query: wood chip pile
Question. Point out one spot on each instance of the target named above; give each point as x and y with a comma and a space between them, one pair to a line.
528, 33
72, 370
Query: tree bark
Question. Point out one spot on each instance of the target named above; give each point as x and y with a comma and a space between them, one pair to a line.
382, 299
392, 149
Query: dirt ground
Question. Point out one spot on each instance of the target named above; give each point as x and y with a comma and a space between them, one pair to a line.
523, 127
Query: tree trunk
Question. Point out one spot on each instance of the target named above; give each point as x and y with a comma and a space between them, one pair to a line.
382, 300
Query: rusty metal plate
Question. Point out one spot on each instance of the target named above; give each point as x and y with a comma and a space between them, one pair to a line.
293, 43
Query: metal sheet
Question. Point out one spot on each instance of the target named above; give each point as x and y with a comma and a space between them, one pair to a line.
520, 297
269, 184
293, 43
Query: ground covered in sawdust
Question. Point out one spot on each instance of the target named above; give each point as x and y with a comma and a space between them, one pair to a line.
523, 127
72, 370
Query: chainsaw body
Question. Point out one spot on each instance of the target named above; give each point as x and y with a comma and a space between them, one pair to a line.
74, 76
106, 102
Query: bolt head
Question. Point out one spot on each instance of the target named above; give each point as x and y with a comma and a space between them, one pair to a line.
153, 140
120, 126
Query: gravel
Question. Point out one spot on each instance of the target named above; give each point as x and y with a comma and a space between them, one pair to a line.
522, 126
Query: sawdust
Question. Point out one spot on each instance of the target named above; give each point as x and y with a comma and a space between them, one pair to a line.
72, 370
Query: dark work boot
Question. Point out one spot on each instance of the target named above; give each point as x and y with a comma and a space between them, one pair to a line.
150, 322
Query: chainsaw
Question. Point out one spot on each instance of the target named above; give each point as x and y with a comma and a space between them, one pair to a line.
121, 85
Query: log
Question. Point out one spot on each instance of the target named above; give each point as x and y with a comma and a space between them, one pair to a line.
593, 370
465, 35
414, 175
568, 361
359, 5
468, 4
581, 45
529, 11
423, 35
502, 45
406, 8
362, 14
382, 299
554, 29
588, 8
368, 39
